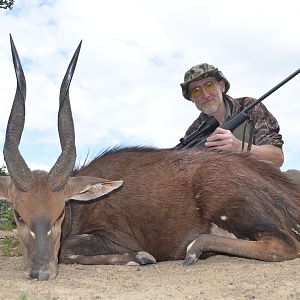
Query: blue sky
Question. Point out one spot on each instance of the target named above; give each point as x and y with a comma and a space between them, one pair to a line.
134, 54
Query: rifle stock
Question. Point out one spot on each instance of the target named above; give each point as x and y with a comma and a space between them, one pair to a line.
198, 138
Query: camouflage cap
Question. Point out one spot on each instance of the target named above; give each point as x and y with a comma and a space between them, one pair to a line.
201, 71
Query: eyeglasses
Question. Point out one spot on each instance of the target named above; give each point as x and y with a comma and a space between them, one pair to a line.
209, 86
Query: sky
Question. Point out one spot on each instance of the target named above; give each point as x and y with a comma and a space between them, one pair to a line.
125, 90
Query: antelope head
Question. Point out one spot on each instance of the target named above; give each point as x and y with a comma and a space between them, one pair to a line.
39, 197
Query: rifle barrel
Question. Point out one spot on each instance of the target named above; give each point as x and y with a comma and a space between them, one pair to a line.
271, 91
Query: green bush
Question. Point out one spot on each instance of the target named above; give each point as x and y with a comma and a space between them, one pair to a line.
6, 4
6, 211
10, 246
7, 221
3, 171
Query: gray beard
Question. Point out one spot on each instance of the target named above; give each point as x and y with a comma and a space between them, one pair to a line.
209, 109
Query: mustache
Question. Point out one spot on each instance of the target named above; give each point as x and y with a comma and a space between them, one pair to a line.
210, 99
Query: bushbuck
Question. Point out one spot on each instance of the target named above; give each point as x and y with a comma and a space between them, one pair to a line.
158, 204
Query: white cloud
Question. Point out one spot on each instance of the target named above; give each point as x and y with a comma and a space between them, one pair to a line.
133, 57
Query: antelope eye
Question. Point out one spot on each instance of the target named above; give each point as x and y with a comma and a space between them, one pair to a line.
18, 217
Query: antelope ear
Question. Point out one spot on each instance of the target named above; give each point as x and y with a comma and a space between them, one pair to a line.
5, 185
86, 188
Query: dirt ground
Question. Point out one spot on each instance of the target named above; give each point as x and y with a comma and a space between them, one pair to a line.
218, 277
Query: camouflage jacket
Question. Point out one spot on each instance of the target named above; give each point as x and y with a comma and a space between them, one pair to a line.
261, 127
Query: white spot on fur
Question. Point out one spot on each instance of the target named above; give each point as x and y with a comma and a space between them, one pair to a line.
190, 245
32, 234
132, 263
224, 218
86, 236
197, 196
73, 256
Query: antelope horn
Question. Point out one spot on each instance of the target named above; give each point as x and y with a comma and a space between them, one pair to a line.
16, 165
63, 167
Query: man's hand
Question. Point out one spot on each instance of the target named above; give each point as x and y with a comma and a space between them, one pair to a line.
223, 139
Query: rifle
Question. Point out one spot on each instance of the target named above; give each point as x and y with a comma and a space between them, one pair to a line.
198, 137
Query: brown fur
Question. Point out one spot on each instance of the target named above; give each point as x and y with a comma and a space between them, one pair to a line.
169, 198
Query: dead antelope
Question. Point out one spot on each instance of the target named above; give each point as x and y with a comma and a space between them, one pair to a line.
174, 204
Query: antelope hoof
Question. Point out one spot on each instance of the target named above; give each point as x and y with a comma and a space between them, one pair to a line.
190, 259
145, 258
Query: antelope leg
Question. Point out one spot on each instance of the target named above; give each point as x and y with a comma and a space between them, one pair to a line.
267, 249
92, 249
131, 258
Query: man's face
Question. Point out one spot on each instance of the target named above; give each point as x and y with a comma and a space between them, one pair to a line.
206, 93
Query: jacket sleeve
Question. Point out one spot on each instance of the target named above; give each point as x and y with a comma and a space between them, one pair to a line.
266, 127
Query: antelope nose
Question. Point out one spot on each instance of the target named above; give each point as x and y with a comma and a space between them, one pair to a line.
40, 275
43, 275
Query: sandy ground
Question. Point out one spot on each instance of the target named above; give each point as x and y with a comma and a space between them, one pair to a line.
218, 277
